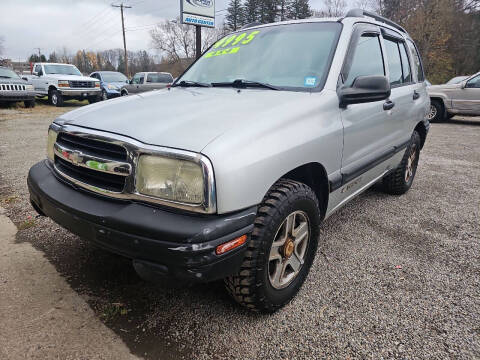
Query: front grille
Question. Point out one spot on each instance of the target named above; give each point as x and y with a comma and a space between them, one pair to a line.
100, 149
81, 84
91, 177
12, 87
93, 147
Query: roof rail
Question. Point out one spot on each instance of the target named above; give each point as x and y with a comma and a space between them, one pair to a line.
362, 13
256, 23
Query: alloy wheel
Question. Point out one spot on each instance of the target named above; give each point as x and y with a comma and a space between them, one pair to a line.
411, 163
288, 250
432, 113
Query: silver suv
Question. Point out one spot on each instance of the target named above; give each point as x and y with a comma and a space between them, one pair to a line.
457, 98
230, 173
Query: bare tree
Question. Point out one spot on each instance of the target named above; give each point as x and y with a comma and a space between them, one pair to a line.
334, 8
177, 41
2, 49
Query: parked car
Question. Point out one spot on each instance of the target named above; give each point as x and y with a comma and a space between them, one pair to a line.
111, 83
230, 176
15, 89
147, 81
64, 82
456, 80
461, 98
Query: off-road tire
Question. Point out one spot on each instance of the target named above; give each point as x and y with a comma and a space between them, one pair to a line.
251, 286
29, 103
395, 183
440, 111
55, 98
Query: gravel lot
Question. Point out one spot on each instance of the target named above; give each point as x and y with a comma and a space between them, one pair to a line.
394, 277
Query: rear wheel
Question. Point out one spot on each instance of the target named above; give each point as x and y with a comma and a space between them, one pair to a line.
436, 113
124, 93
400, 180
281, 248
55, 98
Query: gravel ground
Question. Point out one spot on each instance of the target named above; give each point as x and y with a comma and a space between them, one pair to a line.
394, 277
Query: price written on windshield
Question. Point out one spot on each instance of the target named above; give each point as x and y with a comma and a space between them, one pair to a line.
231, 44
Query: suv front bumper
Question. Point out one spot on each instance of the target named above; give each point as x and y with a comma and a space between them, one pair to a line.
177, 245
80, 93
17, 95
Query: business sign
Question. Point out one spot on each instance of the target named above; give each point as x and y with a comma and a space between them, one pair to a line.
198, 12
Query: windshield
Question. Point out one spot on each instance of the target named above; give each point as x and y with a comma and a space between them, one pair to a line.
289, 57
457, 80
114, 77
9, 74
62, 69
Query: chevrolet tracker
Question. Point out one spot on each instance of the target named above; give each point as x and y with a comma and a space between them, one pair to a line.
230, 172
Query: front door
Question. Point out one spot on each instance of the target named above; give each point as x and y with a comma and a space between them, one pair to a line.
364, 124
467, 99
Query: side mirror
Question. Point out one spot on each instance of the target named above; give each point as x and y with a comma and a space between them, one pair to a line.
40, 73
365, 89
34, 73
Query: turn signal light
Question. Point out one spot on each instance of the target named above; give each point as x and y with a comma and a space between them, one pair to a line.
230, 245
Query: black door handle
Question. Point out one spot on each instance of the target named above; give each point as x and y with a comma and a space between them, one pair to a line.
388, 105
416, 95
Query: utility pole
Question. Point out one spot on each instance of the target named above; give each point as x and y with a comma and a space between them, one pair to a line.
121, 6
198, 44
38, 53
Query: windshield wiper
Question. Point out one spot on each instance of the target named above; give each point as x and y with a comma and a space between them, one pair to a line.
242, 84
187, 83
5, 77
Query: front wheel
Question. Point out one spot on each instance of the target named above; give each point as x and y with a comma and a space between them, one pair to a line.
56, 98
29, 103
400, 180
436, 113
93, 99
281, 248
104, 95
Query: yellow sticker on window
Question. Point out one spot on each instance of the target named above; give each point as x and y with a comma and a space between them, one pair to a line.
233, 41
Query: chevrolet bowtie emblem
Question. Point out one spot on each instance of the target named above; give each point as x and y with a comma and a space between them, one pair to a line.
76, 157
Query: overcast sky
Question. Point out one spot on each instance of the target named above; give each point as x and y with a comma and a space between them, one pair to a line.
84, 24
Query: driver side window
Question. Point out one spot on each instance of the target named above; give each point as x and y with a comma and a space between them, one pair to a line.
474, 83
367, 59
137, 79
38, 68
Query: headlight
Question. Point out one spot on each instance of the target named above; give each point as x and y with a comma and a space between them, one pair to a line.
63, 83
97, 84
112, 87
170, 179
29, 87
52, 139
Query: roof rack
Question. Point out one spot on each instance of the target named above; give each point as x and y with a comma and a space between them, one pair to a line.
362, 13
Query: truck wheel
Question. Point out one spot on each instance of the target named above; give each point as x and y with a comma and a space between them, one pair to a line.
93, 99
400, 180
29, 103
281, 248
436, 113
56, 98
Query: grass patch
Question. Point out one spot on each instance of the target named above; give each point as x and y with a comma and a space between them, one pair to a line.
27, 224
10, 199
111, 311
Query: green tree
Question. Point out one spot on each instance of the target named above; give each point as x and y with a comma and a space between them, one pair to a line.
235, 15
299, 9
53, 58
252, 10
36, 58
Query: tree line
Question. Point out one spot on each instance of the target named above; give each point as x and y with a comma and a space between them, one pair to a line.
111, 60
242, 12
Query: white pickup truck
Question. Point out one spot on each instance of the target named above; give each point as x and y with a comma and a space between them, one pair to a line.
63, 82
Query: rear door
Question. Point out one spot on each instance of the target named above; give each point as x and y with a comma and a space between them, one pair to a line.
419, 88
467, 99
405, 98
365, 136
156, 81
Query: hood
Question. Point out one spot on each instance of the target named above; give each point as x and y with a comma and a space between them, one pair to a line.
444, 87
70, 77
13, 81
186, 118
116, 83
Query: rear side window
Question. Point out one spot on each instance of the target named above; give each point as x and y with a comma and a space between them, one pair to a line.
407, 72
394, 62
159, 78
367, 59
417, 63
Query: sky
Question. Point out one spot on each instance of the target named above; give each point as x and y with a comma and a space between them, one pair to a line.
52, 25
